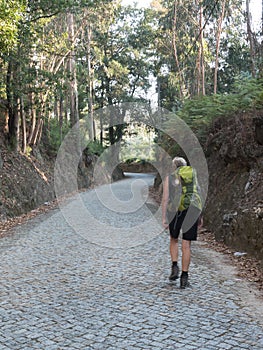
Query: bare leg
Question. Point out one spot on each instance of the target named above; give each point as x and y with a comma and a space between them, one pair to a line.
186, 255
174, 258
174, 249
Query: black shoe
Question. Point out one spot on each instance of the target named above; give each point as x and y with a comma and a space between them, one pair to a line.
184, 281
174, 273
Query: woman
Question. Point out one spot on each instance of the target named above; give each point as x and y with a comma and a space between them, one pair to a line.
181, 209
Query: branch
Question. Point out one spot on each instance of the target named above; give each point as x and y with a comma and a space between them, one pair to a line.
41, 17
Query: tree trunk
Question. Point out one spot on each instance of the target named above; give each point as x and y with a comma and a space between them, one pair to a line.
66, 106
101, 130
23, 124
202, 58
40, 130
198, 66
261, 46
181, 82
56, 111
33, 117
37, 132
61, 112
90, 86
250, 39
12, 105
200, 85
74, 115
218, 37
101, 119
110, 102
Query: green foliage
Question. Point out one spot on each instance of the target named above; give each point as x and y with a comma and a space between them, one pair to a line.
138, 142
200, 112
181, 71
95, 147
28, 150
57, 134
11, 13
167, 143
126, 46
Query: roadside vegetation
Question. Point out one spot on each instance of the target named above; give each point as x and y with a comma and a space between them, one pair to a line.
63, 61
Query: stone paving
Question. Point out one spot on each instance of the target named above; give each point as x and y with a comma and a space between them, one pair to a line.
60, 290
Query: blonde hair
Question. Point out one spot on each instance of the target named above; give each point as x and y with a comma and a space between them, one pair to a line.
179, 161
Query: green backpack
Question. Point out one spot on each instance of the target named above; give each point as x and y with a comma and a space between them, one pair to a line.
184, 179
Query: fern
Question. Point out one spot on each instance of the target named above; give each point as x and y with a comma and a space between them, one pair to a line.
200, 112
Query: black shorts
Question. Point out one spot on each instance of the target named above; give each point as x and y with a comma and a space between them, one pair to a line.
189, 228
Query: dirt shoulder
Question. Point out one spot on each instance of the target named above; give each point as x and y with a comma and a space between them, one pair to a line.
26, 183
247, 266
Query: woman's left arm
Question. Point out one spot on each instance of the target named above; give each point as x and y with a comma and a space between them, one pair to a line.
165, 200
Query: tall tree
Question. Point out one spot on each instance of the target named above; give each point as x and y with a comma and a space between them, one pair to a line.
250, 39
174, 41
12, 102
123, 65
73, 86
201, 55
218, 37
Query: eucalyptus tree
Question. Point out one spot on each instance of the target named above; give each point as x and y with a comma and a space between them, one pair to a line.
201, 50
195, 46
232, 53
36, 67
176, 48
254, 35
18, 64
11, 14
95, 23
122, 65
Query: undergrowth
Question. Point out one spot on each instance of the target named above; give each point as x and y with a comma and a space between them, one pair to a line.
200, 112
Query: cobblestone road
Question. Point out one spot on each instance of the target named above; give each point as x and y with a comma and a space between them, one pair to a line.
60, 290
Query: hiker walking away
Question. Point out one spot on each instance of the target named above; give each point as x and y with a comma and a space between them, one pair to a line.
181, 209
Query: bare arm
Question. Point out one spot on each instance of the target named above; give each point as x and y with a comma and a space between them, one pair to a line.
165, 200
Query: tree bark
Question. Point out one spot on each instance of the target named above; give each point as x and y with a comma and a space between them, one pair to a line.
73, 90
23, 124
251, 40
202, 58
37, 133
198, 66
33, 118
218, 37
12, 105
90, 85
181, 80
200, 86
61, 112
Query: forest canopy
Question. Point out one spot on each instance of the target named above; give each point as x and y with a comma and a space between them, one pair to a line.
63, 60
